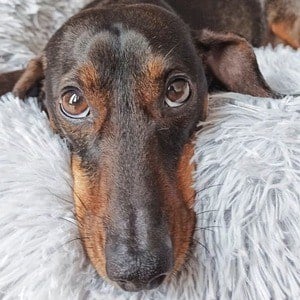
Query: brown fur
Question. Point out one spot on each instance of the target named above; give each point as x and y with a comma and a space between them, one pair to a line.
219, 50
8, 80
33, 73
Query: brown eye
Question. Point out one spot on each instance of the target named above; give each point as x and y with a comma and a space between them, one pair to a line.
178, 92
73, 105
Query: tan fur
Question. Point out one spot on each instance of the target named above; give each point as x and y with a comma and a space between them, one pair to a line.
155, 67
91, 204
284, 21
147, 86
89, 77
181, 220
287, 33
185, 175
94, 94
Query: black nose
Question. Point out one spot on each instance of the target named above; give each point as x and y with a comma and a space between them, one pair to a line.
134, 271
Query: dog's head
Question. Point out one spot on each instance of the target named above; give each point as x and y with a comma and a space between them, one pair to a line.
126, 87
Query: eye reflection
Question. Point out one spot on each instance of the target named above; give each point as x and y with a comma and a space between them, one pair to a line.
74, 105
178, 92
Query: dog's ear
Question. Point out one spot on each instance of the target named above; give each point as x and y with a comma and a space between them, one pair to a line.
8, 81
29, 82
230, 63
24, 83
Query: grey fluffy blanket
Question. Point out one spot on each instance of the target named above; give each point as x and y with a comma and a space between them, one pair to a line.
247, 179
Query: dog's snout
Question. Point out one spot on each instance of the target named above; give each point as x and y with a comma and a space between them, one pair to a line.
134, 271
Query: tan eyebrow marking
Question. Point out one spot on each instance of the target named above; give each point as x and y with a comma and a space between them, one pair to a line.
148, 86
89, 78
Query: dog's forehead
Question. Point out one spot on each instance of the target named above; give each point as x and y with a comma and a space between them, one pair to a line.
133, 30
118, 59
113, 47
129, 47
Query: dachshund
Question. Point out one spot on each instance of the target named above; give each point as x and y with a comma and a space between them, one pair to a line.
126, 82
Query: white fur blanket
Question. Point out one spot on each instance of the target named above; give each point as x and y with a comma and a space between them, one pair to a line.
247, 178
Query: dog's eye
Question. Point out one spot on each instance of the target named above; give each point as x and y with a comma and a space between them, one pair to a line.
178, 92
73, 105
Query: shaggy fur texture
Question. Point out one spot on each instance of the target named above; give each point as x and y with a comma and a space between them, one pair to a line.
247, 179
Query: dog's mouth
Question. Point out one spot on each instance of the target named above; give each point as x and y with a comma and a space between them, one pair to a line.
136, 286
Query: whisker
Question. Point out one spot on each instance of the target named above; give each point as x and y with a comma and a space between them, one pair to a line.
202, 245
164, 129
204, 189
70, 241
170, 52
208, 187
63, 199
59, 197
69, 221
72, 188
207, 227
206, 211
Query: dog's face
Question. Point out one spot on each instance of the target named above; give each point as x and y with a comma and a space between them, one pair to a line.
126, 87
128, 95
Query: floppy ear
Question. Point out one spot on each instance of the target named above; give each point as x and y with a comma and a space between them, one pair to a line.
24, 83
8, 81
231, 64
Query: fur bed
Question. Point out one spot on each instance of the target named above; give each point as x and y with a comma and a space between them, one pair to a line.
247, 179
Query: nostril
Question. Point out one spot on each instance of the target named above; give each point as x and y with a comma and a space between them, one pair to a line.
156, 281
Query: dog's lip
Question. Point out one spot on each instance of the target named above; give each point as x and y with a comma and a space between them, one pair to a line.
136, 287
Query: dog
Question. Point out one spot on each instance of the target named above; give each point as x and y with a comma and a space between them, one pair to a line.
126, 83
